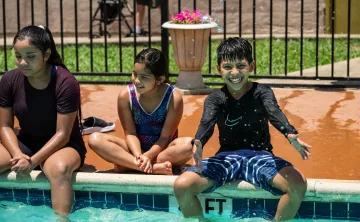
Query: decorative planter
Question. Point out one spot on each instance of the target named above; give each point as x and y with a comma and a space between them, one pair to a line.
190, 42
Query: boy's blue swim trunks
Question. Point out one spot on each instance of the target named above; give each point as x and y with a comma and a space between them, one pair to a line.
255, 167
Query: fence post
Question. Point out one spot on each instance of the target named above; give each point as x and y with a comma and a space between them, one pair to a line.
164, 31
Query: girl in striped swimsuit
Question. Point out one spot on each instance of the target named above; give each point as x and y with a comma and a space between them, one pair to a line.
150, 110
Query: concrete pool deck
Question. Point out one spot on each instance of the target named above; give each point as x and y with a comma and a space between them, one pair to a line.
327, 119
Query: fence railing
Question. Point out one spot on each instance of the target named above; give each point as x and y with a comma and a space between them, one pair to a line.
291, 39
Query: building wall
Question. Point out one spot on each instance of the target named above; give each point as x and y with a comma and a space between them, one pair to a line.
232, 21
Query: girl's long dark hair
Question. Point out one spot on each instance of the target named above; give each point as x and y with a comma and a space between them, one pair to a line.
41, 37
155, 61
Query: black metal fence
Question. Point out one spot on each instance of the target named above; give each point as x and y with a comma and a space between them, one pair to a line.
105, 15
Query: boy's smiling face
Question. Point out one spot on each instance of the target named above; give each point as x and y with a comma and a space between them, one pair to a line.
236, 73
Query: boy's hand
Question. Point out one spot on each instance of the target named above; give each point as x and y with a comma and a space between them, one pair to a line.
197, 154
300, 146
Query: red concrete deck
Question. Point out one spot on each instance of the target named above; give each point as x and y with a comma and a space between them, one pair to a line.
327, 120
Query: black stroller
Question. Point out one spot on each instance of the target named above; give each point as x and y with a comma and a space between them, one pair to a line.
109, 12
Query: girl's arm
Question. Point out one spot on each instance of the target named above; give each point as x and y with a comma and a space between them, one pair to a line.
127, 122
173, 117
7, 135
64, 126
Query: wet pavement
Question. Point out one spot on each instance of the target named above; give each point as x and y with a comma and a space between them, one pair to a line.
328, 120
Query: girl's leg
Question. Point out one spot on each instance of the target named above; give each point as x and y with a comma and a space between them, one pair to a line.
4, 159
114, 150
177, 153
294, 184
59, 168
186, 188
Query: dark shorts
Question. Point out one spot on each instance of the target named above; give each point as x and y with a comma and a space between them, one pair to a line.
151, 3
31, 145
255, 167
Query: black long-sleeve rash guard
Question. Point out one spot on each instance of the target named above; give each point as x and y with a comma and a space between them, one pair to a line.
243, 123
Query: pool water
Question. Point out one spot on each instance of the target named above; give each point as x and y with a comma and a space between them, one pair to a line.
18, 212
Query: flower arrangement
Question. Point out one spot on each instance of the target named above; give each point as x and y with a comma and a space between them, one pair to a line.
190, 17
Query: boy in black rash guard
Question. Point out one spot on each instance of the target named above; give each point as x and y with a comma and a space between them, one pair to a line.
242, 109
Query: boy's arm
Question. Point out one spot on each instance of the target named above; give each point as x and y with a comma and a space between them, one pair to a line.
276, 117
208, 119
206, 128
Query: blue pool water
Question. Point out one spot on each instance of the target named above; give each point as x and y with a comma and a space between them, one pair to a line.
34, 205
17, 212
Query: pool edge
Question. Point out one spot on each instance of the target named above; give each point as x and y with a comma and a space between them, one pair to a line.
322, 190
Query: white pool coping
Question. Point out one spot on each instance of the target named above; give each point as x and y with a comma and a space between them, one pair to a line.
323, 190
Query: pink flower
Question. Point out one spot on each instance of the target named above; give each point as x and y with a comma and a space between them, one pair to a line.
187, 17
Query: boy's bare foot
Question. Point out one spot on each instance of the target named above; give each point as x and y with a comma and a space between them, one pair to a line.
162, 168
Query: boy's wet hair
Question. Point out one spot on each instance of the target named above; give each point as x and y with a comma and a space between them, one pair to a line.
41, 38
155, 61
233, 49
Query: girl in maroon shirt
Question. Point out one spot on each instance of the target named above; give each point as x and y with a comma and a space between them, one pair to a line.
45, 98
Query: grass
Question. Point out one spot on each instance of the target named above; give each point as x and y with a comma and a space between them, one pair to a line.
262, 57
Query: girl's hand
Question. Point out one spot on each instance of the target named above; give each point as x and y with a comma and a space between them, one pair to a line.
197, 154
16, 158
137, 160
300, 146
22, 166
145, 166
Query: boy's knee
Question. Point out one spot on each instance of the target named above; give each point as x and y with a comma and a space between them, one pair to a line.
297, 185
183, 186
94, 140
301, 185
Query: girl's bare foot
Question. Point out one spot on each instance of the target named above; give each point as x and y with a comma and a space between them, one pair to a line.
162, 168
120, 169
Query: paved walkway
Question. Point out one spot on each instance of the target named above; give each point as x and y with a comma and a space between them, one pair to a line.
340, 69
157, 38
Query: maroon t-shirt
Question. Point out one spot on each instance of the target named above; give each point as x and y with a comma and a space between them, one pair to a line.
37, 109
